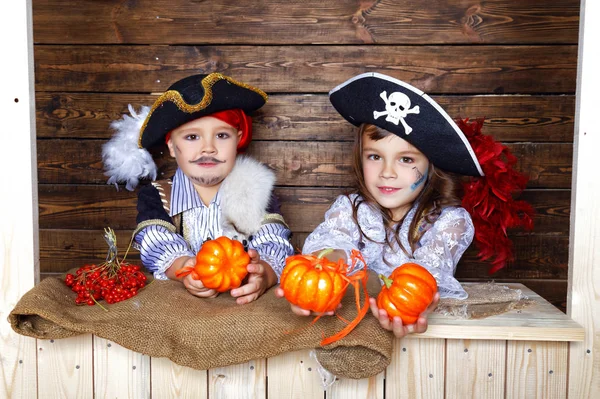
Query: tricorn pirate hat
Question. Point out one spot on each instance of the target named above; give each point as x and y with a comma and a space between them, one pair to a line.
125, 156
455, 146
406, 111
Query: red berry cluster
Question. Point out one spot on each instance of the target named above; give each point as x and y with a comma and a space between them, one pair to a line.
106, 281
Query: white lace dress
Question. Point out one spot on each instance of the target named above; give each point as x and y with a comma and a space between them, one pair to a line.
439, 250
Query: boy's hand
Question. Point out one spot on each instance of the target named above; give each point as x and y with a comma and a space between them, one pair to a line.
197, 288
194, 287
400, 330
261, 277
300, 311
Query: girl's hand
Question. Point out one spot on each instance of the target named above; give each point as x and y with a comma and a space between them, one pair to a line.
332, 257
261, 277
298, 310
400, 330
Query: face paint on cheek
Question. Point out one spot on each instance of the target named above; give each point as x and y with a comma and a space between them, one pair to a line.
420, 178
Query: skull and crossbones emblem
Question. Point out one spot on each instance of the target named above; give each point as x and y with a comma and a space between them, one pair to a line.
397, 107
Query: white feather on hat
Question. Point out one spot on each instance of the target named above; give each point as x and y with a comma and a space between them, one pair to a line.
124, 161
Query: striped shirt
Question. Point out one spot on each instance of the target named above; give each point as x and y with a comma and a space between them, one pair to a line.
159, 247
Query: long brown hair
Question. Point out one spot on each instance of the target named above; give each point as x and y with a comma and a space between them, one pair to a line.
441, 190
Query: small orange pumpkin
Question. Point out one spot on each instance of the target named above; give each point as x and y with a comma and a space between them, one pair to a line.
407, 292
314, 282
220, 264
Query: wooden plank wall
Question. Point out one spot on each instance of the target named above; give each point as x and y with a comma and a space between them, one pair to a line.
513, 62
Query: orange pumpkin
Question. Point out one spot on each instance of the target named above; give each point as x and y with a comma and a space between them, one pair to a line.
220, 264
314, 282
407, 292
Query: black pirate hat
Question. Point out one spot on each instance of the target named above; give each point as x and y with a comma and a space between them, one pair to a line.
409, 113
194, 97
125, 156
459, 147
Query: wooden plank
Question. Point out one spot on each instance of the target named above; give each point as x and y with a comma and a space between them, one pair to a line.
584, 280
417, 369
311, 164
103, 205
246, 380
554, 172
366, 388
119, 371
65, 367
536, 369
62, 250
96, 207
476, 369
553, 291
539, 321
19, 260
309, 69
536, 256
170, 380
304, 209
309, 117
294, 375
313, 21
551, 209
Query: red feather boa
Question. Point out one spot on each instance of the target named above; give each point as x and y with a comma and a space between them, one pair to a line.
489, 199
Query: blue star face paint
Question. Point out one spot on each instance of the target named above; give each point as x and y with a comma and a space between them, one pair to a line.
420, 178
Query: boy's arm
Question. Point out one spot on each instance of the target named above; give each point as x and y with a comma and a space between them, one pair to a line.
272, 242
177, 264
159, 248
155, 235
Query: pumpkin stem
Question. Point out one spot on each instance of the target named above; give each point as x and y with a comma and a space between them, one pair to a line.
387, 281
324, 252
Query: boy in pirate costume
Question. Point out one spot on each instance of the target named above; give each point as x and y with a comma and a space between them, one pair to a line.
214, 192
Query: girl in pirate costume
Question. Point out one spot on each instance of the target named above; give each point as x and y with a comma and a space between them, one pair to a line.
214, 192
408, 159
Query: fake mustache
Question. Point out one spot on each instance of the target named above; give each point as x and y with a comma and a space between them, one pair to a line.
207, 160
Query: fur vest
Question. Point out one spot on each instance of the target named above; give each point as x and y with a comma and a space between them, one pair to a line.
246, 201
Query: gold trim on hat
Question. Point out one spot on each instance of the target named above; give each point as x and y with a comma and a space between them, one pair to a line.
207, 83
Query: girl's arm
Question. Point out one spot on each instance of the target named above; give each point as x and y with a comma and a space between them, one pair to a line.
338, 231
442, 246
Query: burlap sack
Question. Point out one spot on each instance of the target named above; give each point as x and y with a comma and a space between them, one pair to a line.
164, 320
485, 299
